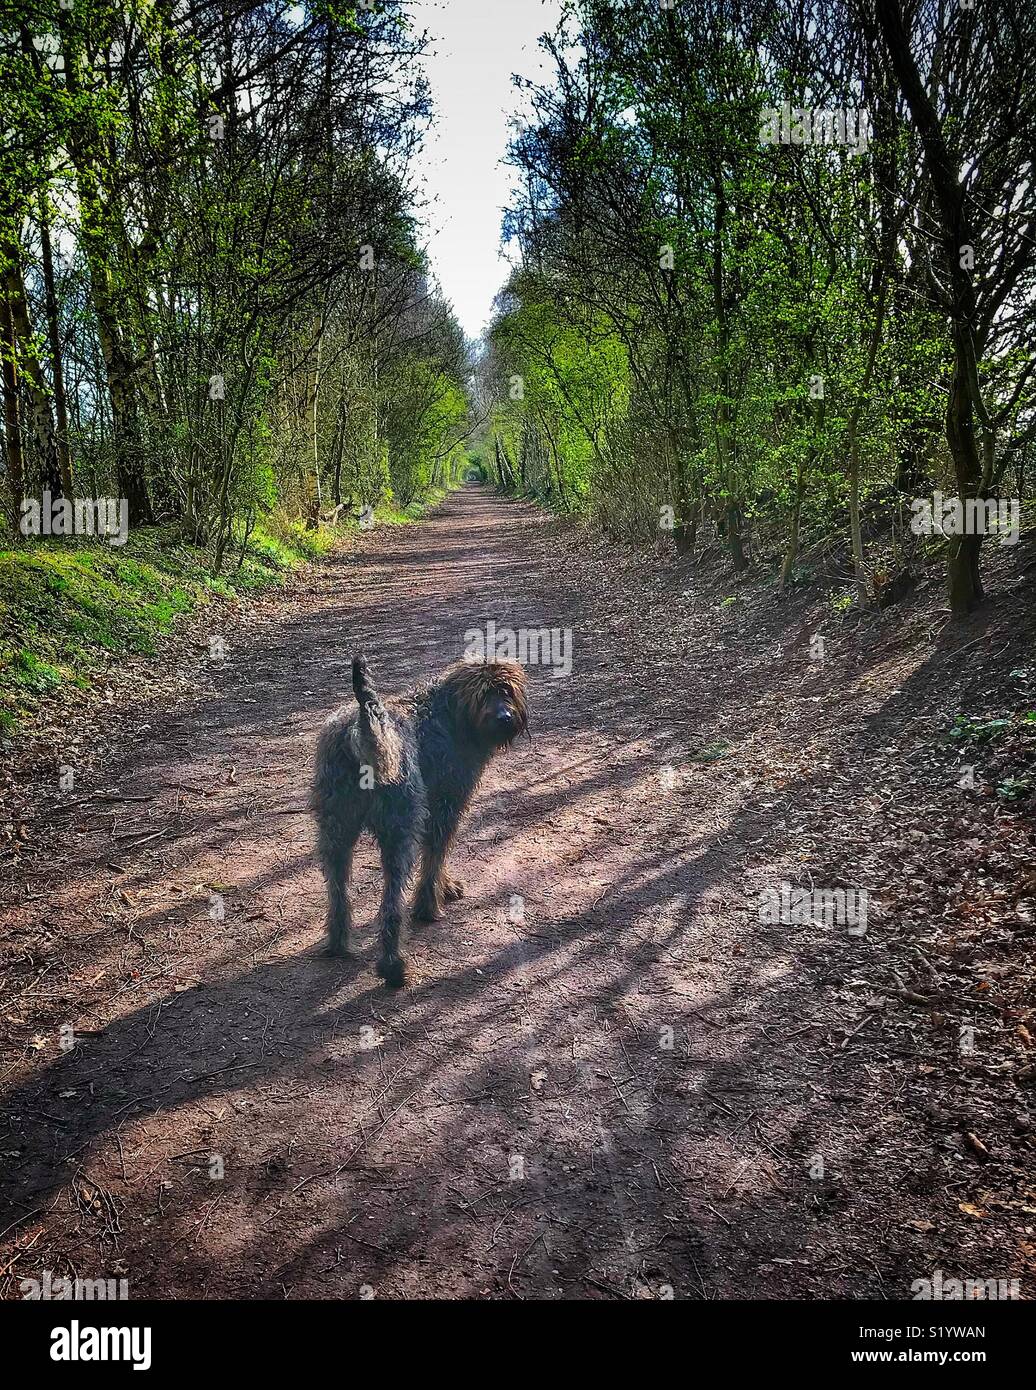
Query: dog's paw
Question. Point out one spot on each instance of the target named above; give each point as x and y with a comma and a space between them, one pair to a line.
337, 950
427, 909
393, 971
452, 889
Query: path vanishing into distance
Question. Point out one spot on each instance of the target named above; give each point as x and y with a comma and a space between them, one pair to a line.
635, 1090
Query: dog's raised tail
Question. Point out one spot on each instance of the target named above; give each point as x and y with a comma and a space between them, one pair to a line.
362, 687
377, 744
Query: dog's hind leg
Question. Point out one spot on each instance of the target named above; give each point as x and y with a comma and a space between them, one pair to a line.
397, 859
398, 833
336, 843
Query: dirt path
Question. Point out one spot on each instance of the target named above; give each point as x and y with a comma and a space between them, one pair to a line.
626, 1092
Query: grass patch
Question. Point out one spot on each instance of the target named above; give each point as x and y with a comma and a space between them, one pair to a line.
389, 515
68, 608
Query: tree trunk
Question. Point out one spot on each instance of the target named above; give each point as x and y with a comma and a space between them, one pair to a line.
56, 356
859, 562
965, 581
32, 373
735, 537
684, 536
792, 553
96, 212
863, 595
965, 401
686, 529
553, 453
965, 584
723, 418
339, 450
12, 420
505, 468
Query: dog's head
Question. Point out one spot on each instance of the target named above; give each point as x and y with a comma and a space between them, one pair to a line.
489, 700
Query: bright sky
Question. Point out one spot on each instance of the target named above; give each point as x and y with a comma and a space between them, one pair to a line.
477, 45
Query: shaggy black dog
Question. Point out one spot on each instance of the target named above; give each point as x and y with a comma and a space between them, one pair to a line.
406, 771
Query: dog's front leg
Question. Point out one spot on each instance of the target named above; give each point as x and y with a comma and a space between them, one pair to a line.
434, 885
428, 899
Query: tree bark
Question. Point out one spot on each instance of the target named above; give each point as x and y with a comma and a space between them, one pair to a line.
965, 584
120, 366
12, 420
28, 356
56, 356
859, 561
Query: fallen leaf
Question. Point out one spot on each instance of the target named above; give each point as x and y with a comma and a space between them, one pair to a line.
977, 1147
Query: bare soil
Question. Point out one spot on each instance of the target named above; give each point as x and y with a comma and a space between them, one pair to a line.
634, 1087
